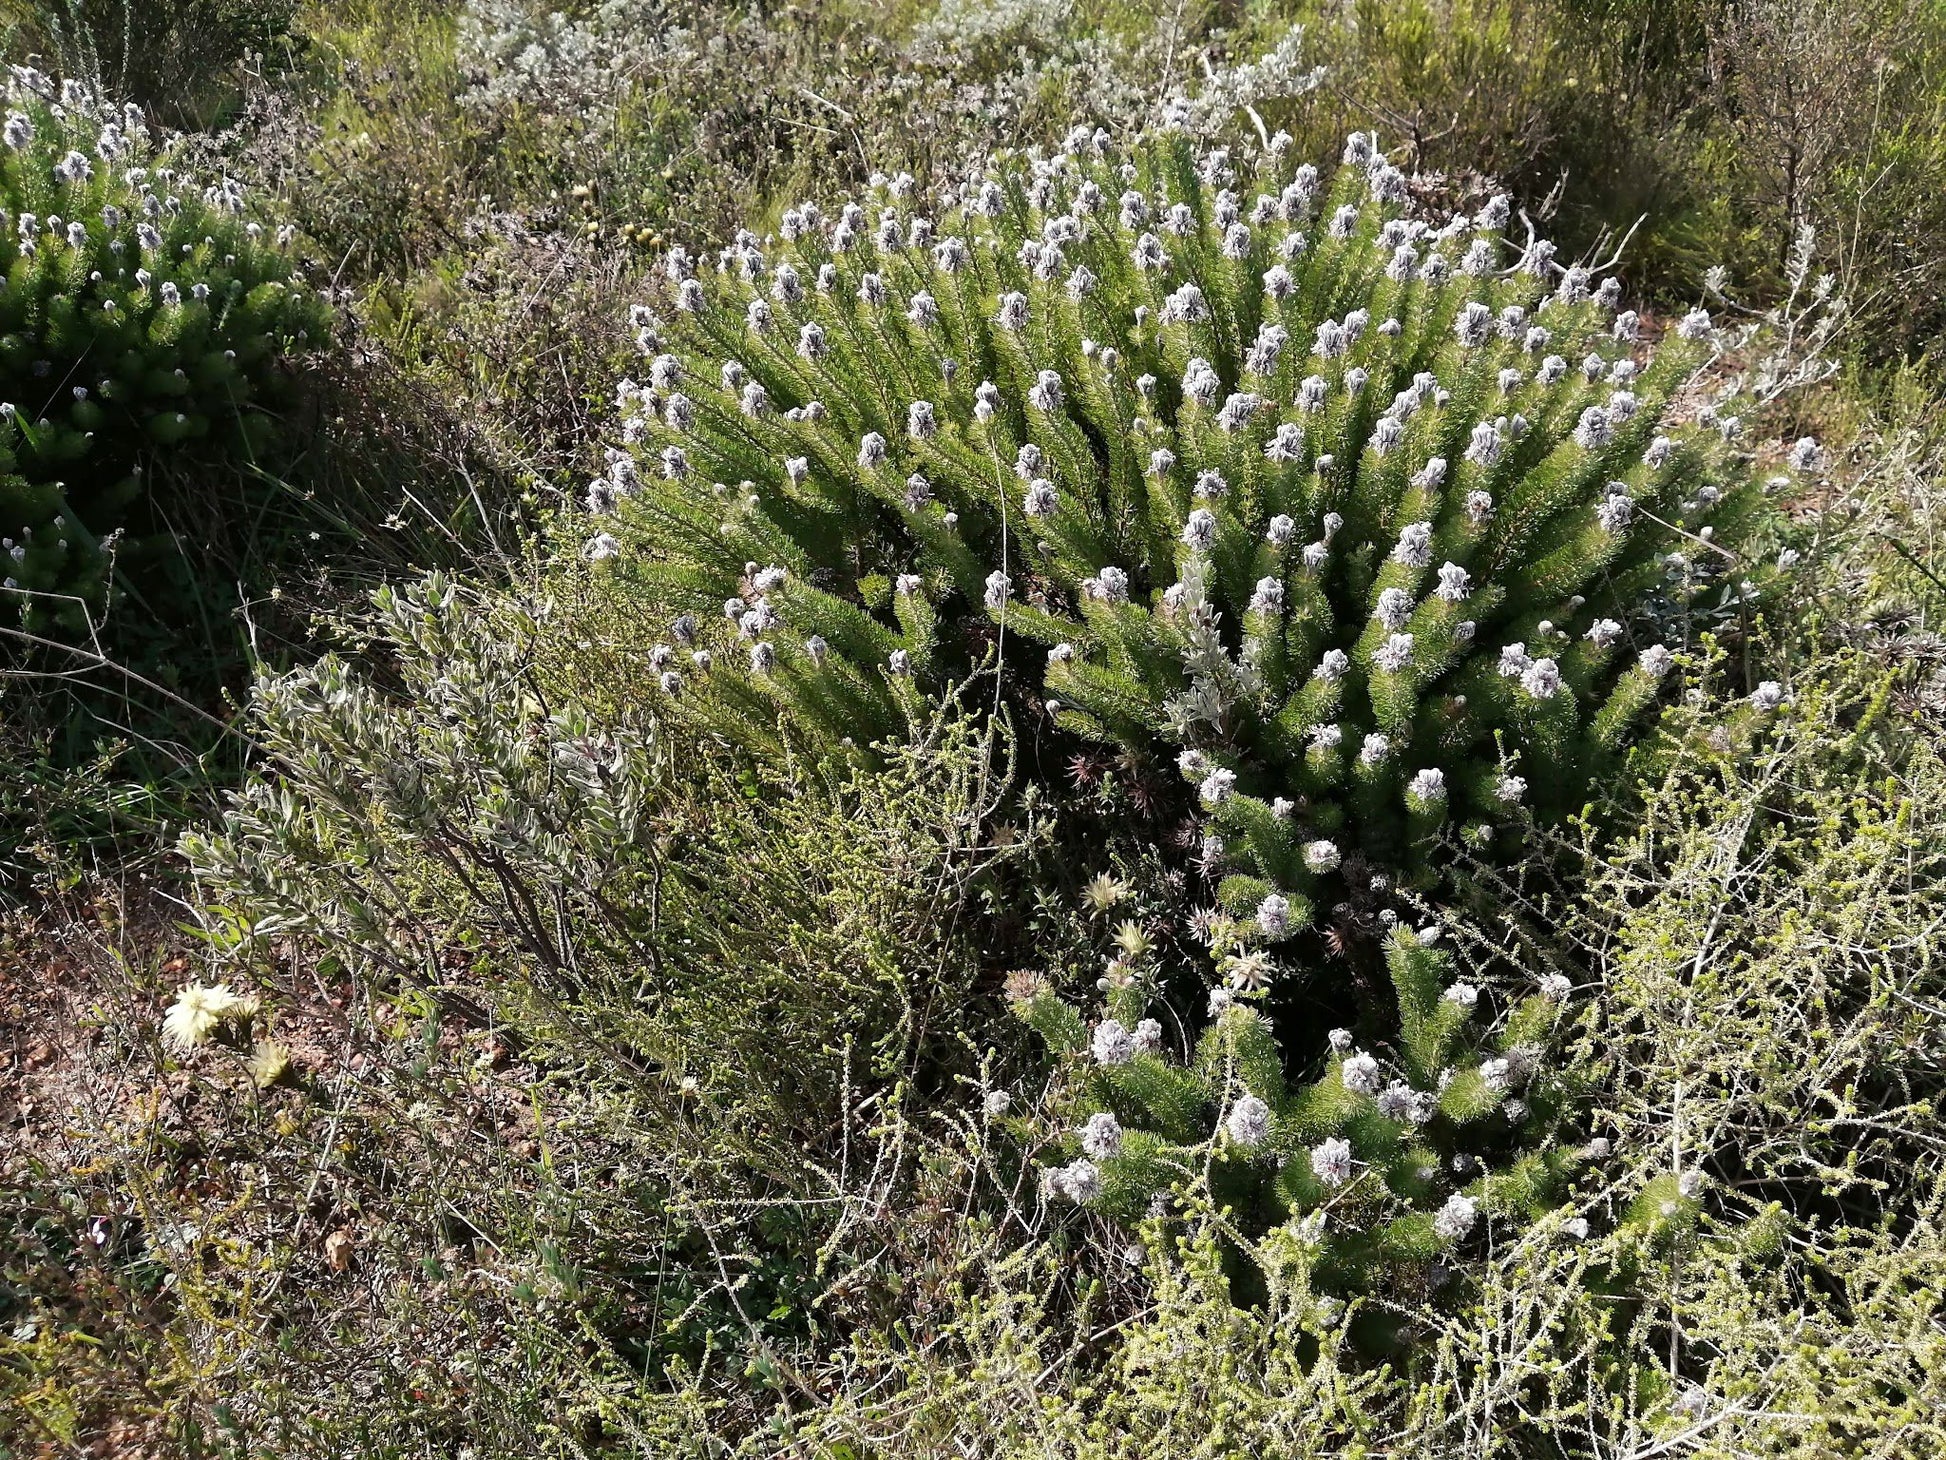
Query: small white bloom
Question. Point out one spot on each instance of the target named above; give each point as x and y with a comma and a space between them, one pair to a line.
1455, 583
198, 1010
1079, 1182
1101, 1137
1394, 654
1394, 608
1542, 679
1360, 1074
1218, 786
1112, 1044
1331, 1161
1415, 545
1322, 856
1249, 1122
1274, 915
1456, 1218
1428, 784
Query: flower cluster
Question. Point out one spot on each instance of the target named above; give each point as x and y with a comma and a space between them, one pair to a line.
141, 313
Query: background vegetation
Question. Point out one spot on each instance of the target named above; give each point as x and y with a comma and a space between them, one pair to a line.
587, 1084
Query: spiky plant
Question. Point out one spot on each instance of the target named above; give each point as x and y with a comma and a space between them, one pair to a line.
1396, 1155
141, 315
1371, 522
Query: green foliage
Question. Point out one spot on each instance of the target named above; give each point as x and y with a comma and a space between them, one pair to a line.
1376, 593
137, 324
1387, 1165
694, 929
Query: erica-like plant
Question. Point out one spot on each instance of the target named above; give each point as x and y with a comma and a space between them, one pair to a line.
140, 314
1371, 522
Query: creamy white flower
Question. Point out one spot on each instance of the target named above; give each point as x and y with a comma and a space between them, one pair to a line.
198, 1011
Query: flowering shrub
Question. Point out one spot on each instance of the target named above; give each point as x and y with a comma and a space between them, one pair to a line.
1393, 1157
1373, 524
140, 315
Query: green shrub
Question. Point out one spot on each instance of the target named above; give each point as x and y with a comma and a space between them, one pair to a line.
619, 892
1398, 1157
142, 318
1317, 502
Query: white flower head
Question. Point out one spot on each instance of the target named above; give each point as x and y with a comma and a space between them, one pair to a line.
1360, 1074
1428, 784
1414, 546
1079, 1182
1322, 856
1455, 583
1394, 654
1274, 915
1101, 1137
1331, 1161
1046, 393
198, 1010
1112, 1044
1248, 1123
1456, 1218
1541, 679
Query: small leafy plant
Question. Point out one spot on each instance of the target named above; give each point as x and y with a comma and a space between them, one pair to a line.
142, 316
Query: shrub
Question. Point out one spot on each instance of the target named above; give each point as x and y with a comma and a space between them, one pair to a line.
1398, 1157
621, 894
141, 317
179, 59
1380, 536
